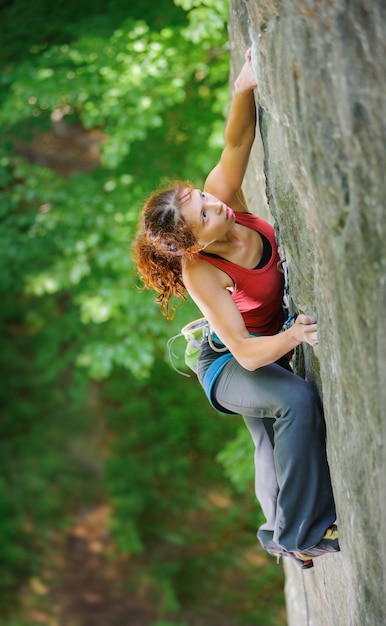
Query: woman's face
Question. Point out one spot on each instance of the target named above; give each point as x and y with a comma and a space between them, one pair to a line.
208, 217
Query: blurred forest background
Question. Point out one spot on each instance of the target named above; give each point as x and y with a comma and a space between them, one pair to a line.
124, 499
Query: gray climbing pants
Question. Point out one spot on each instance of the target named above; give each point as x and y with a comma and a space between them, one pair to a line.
292, 480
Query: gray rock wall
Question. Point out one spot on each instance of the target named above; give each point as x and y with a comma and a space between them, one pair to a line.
321, 67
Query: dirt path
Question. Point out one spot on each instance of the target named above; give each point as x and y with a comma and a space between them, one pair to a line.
95, 590
85, 584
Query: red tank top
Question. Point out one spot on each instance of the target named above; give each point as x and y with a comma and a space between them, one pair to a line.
258, 293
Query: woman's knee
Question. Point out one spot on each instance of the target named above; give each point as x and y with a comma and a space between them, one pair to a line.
306, 395
303, 403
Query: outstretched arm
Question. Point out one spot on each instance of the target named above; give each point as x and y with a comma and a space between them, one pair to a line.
225, 180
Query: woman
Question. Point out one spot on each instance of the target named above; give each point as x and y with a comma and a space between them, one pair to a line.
206, 242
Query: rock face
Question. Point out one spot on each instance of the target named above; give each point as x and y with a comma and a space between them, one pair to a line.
321, 67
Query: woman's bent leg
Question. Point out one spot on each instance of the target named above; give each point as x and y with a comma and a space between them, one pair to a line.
304, 501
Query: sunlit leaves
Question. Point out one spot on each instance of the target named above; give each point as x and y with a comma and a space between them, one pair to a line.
206, 20
155, 96
123, 84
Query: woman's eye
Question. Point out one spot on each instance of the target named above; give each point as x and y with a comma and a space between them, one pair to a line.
204, 216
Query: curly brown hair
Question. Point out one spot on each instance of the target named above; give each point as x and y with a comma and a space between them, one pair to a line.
163, 239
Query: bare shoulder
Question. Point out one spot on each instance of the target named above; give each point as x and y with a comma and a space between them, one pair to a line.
198, 275
208, 286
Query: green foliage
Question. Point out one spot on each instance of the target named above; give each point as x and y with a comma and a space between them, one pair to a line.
145, 88
71, 307
125, 83
151, 467
236, 460
90, 408
163, 622
28, 28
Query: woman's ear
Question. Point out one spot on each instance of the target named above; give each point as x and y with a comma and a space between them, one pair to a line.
195, 248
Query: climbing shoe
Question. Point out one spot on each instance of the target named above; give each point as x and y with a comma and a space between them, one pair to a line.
328, 544
304, 561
